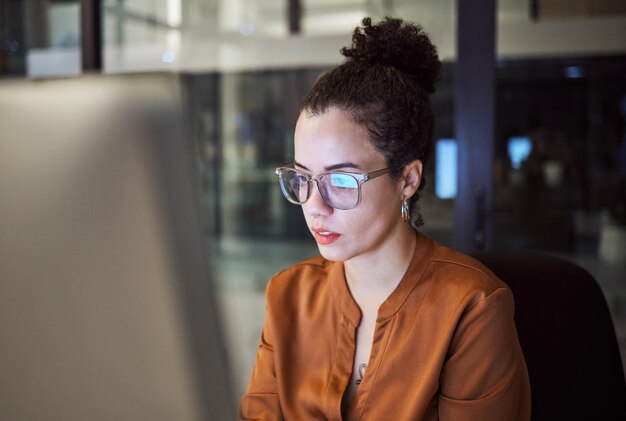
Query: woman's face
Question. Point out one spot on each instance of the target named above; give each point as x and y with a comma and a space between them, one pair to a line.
332, 141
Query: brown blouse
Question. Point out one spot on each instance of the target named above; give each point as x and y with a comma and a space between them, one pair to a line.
445, 346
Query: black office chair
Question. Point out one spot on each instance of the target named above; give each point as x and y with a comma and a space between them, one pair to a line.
567, 336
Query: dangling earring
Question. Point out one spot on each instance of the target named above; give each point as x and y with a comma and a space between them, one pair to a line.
404, 209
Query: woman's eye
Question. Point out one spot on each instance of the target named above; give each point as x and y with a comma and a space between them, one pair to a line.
343, 181
300, 179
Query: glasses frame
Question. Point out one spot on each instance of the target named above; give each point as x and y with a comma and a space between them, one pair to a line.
359, 177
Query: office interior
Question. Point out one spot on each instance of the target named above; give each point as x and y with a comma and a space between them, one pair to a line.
556, 155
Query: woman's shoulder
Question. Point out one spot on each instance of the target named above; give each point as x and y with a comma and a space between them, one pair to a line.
463, 276
312, 267
300, 278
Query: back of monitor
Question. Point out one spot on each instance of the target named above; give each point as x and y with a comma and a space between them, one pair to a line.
106, 306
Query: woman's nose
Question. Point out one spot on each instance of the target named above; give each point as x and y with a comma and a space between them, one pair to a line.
316, 205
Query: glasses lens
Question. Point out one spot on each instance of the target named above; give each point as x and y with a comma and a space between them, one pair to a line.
341, 191
295, 186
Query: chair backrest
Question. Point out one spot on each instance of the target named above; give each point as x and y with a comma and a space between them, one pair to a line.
567, 336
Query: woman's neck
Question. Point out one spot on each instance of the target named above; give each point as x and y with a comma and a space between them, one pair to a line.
372, 278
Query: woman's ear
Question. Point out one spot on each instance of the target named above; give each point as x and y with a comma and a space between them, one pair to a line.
411, 177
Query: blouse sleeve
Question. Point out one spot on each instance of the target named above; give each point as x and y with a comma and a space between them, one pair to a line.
485, 376
261, 402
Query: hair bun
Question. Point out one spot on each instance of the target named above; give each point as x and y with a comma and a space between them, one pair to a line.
399, 44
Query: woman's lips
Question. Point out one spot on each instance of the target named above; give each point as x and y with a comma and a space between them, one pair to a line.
324, 236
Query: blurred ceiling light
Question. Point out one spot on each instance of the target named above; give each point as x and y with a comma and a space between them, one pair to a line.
336, 23
573, 72
174, 13
246, 28
168, 57
13, 46
519, 148
446, 168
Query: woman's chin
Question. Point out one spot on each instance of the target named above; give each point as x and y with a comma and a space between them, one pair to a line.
329, 254
333, 253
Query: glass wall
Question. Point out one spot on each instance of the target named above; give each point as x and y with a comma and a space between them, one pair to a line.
560, 138
12, 40
39, 38
566, 186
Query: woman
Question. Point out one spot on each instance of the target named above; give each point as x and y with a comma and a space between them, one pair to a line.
385, 324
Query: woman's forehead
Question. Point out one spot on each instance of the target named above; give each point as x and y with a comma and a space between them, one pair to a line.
331, 138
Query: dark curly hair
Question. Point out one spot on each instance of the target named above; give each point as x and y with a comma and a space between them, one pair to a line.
385, 85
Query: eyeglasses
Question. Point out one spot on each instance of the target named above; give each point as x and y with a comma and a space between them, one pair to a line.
341, 190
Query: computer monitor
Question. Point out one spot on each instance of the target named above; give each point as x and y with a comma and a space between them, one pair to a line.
107, 310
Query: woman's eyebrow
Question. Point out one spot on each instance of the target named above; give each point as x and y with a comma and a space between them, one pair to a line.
332, 167
297, 164
342, 165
